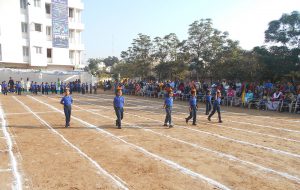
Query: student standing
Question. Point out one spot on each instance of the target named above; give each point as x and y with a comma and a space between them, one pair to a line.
118, 106
67, 102
19, 88
4, 88
43, 87
47, 87
168, 107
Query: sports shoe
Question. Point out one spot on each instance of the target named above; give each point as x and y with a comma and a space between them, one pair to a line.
165, 125
170, 126
208, 119
220, 121
186, 120
119, 127
194, 124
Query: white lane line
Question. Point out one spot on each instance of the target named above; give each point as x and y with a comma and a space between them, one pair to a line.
253, 132
220, 154
17, 177
100, 169
239, 129
151, 102
167, 162
266, 126
27, 113
5, 170
248, 123
219, 136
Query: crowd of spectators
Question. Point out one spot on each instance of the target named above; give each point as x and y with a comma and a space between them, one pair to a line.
56, 87
279, 96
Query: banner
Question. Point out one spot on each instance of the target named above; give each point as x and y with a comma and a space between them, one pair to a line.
60, 24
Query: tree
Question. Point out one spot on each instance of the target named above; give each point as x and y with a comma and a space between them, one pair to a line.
93, 65
110, 61
139, 55
206, 46
285, 31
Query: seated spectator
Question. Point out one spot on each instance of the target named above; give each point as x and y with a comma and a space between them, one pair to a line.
264, 100
249, 96
230, 95
286, 103
277, 95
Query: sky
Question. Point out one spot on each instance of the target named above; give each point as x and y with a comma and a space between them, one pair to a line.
111, 25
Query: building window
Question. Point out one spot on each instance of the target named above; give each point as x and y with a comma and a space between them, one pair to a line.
37, 27
49, 53
38, 50
23, 4
71, 12
71, 54
48, 8
25, 51
24, 27
37, 3
71, 36
48, 30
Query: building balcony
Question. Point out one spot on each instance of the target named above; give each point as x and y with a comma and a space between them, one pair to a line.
76, 46
72, 61
73, 24
25, 35
49, 38
48, 16
25, 59
76, 4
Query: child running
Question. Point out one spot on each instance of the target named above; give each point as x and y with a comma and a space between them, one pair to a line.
67, 102
168, 106
193, 108
216, 106
118, 106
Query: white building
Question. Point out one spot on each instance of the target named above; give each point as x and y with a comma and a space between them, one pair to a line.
43, 34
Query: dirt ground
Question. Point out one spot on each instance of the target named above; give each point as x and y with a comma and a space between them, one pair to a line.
251, 149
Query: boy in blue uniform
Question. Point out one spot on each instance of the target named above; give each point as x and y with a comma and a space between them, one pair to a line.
83, 88
193, 108
19, 88
208, 102
216, 107
43, 88
168, 106
67, 102
118, 106
4, 88
47, 87
71, 87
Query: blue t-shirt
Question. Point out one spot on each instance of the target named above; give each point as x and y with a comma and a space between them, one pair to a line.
119, 101
217, 101
66, 100
169, 101
193, 101
208, 98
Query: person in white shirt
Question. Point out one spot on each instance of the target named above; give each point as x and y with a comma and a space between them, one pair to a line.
22, 84
277, 95
28, 84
